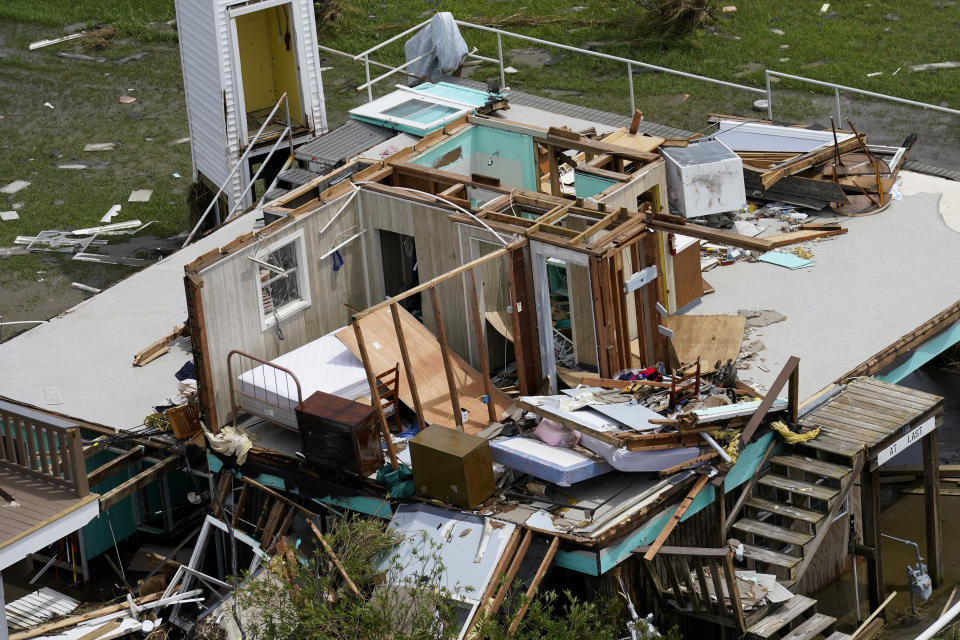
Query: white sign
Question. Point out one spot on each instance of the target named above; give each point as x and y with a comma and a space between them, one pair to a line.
908, 439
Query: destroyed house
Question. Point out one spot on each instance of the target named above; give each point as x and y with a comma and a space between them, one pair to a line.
508, 296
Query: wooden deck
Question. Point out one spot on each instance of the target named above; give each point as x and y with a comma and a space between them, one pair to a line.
41, 503
869, 414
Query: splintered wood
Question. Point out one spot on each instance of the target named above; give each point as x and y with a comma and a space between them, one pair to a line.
427, 364
158, 348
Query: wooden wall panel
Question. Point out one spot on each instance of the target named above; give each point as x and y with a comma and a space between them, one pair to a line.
231, 296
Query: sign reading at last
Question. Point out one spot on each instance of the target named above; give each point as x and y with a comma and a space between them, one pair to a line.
911, 437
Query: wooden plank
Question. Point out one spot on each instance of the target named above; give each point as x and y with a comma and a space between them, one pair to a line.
78, 464
675, 518
734, 592
813, 626
597, 226
871, 532
790, 610
785, 239
407, 366
772, 532
534, 584
507, 581
336, 560
781, 509
425, 356
710, 234
116, 465
361, 348
812, 465
445, 357
841, 418
138, 481
768, 401
480, 337
798, 487
441, 278
554, 170
805, 161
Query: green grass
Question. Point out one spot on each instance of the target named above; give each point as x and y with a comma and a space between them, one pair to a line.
843, 49
127, 16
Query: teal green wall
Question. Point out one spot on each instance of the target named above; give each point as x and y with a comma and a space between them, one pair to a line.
124, 515
587, 185
513, 163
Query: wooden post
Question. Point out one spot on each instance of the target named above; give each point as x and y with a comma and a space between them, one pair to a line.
407, 367
870, 508
78, 464
481, 345
931, 500
720, 498
794, 395
554, 170
675, 518
523, 320
651, 253
638, 307
511, 572
374, 394
447, 365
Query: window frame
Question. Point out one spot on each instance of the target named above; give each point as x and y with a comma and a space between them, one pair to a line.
270, 320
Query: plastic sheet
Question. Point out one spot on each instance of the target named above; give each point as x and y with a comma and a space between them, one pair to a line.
442, 36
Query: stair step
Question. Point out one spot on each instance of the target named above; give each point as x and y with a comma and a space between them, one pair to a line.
811, 628
785, 509
772, 532
297, 177
812, 465
791, 609
769, 556
796, 486
836, 635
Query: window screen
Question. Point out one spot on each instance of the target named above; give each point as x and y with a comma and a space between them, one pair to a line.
281, 286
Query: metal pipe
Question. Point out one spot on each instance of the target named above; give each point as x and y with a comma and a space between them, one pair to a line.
943, 621
236, 166
766, 76
713, 443
864, 92
836, 93
391, 72
479, 57
366, 68
253, 180
367, 53
633, 104
503, 81
607, 56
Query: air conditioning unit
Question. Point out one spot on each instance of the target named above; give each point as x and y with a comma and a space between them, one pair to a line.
703, 178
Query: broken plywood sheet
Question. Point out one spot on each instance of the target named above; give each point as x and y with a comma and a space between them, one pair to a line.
428, 372
500, 320
636, 141
710, 338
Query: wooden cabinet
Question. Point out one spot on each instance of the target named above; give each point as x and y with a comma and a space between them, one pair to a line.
452, 466
340, 434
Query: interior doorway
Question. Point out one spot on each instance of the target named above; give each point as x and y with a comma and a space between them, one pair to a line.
398, 260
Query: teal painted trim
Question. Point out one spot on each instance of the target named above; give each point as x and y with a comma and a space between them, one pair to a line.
466, 95
214, 464
579, 561
363, 504
922, 355
746, 466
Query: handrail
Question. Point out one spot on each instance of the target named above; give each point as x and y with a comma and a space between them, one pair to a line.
367, 53
240, 162
838, 87
253, 180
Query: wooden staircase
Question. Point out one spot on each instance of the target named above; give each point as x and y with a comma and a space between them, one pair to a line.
782, 518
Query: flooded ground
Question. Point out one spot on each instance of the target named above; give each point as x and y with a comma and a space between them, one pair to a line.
903, 517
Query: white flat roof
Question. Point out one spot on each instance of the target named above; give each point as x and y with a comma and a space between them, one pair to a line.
80, 364
890, 273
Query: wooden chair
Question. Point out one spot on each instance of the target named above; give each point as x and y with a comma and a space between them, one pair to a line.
387, 385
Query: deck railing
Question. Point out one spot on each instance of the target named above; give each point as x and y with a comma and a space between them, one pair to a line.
43, 451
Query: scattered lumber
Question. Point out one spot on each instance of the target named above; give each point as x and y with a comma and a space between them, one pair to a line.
784, 239
158, 348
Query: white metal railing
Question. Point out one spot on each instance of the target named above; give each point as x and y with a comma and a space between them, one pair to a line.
630, 64
837, 88
286, 133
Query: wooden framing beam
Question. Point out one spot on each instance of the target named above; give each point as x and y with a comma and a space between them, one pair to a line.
711, 235
445, 353
931, 501
116, 465
675, 518
374, 394
138, 482
534, 585
441, 278
200, 348
511, 572
597, 226
523, 321
407, 367
481, 343
768, 401
554, 171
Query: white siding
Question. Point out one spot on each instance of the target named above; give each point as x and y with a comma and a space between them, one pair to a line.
314, 105
202, 86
